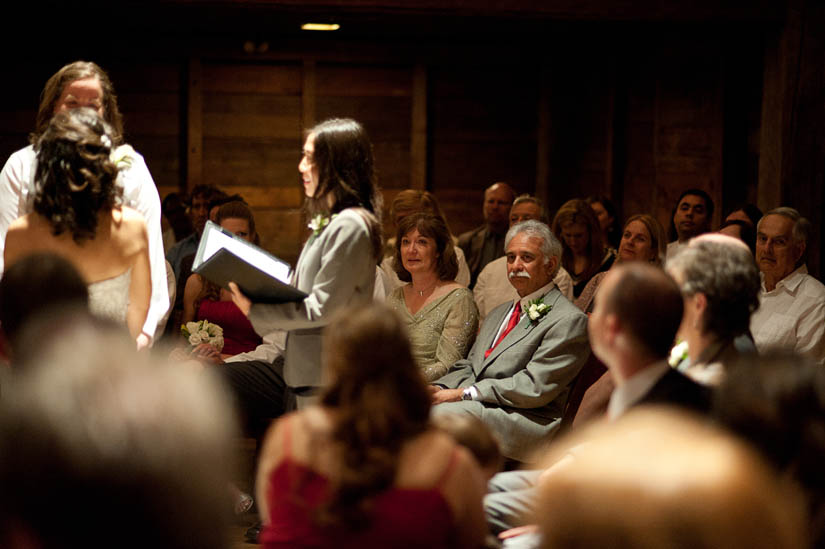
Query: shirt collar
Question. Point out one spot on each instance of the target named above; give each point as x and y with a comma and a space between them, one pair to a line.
635, 388
791, 282
535, 295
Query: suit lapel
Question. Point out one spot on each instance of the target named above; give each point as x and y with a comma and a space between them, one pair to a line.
522, 329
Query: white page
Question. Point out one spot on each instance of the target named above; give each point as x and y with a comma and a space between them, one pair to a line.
217, 240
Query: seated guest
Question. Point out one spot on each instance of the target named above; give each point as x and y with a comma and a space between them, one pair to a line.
37, 283
720, 284
219, 199
175, 223
747, 213
408, 202
198, 210
791, 312
691, 217
776, 402
638, 310
485, 243
98, 445
205, 300
440, 314
608, 220
527, 353
364, 468
492, 286
642, 240
742, 230
661, 479
584, 253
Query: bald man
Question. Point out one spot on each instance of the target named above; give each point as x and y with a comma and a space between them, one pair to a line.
486, 243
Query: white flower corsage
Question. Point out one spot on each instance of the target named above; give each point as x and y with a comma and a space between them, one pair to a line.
678, 353
203, 331
537, 308
319, 223
123, 156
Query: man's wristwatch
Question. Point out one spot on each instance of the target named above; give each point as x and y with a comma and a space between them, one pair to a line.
467, 394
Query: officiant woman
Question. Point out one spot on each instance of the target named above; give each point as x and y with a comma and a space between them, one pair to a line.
336, 267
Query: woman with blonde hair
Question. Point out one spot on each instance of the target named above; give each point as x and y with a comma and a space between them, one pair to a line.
643, 239
583, 252
365, 468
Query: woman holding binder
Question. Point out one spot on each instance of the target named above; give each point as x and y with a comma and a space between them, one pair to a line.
336, 269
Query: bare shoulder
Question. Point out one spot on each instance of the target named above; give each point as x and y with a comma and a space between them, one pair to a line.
129, 227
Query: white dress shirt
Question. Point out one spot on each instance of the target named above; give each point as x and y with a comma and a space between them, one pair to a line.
634, 389
139, 192
792, 315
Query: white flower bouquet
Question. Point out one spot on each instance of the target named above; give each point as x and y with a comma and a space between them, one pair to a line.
203, 331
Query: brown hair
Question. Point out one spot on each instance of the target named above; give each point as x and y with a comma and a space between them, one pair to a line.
381, 402
657, 235
579, 211
410, 201
75, 178
346, 172
434, 227
53, 89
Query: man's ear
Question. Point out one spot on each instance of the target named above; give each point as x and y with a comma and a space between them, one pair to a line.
552, 264
799, 250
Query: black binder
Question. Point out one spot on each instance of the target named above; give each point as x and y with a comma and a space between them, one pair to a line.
223, 257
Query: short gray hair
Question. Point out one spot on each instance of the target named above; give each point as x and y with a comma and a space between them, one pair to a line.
550, 245
530, 199
727, 275
801, 226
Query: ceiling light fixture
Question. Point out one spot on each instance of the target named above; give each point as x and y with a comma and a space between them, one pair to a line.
320, 26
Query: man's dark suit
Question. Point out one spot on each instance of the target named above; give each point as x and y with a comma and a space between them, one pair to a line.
523, 385
676, 389
472, 243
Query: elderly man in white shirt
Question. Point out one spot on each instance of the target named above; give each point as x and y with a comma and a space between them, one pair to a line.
492, 286
791, 310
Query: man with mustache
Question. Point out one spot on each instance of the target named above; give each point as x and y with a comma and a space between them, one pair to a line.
517, 376
692, 217
493, 285
791, 310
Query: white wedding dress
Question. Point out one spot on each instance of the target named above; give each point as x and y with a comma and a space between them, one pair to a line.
109, 298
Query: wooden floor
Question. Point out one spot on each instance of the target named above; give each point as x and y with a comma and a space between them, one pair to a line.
237, 531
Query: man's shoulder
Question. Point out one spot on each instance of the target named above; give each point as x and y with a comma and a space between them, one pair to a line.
465, 238
678, 389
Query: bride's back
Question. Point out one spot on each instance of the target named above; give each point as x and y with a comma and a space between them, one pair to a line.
78, 212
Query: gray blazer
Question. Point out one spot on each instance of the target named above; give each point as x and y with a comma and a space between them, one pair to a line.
523, 385
336, 269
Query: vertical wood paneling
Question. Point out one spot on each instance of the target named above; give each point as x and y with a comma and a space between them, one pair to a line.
418, 133
194, 124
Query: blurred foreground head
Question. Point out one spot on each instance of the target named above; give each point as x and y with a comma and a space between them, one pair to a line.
99, 443
658, 479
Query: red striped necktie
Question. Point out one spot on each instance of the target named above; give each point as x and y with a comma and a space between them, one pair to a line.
514, 316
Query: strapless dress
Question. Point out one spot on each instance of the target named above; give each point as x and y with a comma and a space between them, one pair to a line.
109, 298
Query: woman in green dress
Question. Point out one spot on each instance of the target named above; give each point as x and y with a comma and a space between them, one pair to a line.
441, 316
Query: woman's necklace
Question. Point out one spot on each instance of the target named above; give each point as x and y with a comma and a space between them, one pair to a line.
426, 290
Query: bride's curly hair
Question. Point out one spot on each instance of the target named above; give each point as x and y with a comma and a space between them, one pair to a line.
75, 177
381, 401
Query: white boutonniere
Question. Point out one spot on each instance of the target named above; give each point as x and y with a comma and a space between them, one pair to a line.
319, 223
537, 309
678, 353
122, 157
203, 331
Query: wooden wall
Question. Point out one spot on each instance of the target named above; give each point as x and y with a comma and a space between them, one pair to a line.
636, 110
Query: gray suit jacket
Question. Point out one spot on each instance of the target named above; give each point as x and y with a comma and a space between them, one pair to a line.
524, 383
336, 269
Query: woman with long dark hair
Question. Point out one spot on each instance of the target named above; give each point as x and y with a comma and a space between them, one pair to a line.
336, 267
365, 468
79, 215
